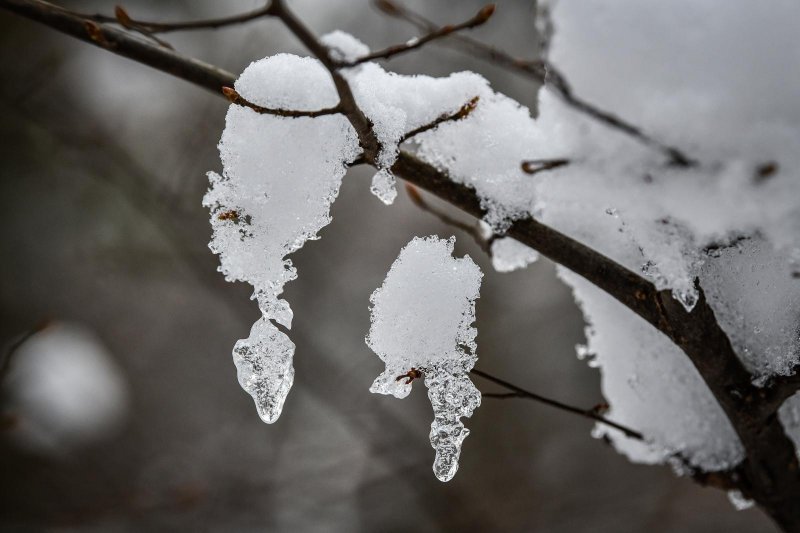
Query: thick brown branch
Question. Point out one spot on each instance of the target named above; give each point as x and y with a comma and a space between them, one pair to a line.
539, 70
585, 413
433, 34
236, 98
123, 43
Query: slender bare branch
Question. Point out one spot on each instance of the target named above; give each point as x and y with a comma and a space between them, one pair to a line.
123, 18
481, 17
347, 101
585, 413
11, 349
473, 230
463, 112
534, 166
235, 98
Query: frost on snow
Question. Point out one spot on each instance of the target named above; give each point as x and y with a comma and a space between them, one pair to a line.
280, 176
422, 319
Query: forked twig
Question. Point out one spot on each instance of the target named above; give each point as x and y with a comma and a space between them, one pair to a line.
433, 34
124, 19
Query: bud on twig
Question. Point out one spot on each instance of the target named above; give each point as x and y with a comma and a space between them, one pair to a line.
122, 17
485, 13
387, 7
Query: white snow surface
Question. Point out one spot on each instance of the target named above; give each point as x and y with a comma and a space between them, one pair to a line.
651, 386
422, 319
65, 391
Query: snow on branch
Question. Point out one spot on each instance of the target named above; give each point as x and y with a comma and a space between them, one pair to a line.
422, 319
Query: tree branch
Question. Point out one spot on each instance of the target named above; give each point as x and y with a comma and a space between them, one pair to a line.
473, 230
347, 101
236, 98
123, 43
463, 112
125, 20
591, 414
770, 474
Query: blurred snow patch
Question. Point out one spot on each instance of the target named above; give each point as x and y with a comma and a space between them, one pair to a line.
64, 390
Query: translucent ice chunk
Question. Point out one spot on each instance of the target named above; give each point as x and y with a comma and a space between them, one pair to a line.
383, 186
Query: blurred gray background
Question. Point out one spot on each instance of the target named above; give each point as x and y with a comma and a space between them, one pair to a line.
103, 170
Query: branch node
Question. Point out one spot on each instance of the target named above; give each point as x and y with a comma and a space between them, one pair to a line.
95, 33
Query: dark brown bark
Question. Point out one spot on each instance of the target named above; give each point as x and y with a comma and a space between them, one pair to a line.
769, 474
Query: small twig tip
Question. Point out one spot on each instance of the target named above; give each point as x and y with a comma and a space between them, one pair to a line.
388, 7
485, 13
230, 93
122, 16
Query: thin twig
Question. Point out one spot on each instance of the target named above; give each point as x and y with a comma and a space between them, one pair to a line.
585, 413
11, 349
542, 71
347, 101
473, 230
502, 395
163, 27
236, 98
463, 112
433, 34
534, 166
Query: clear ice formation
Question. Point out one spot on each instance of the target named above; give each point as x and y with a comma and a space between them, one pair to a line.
422, 319
280, 176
